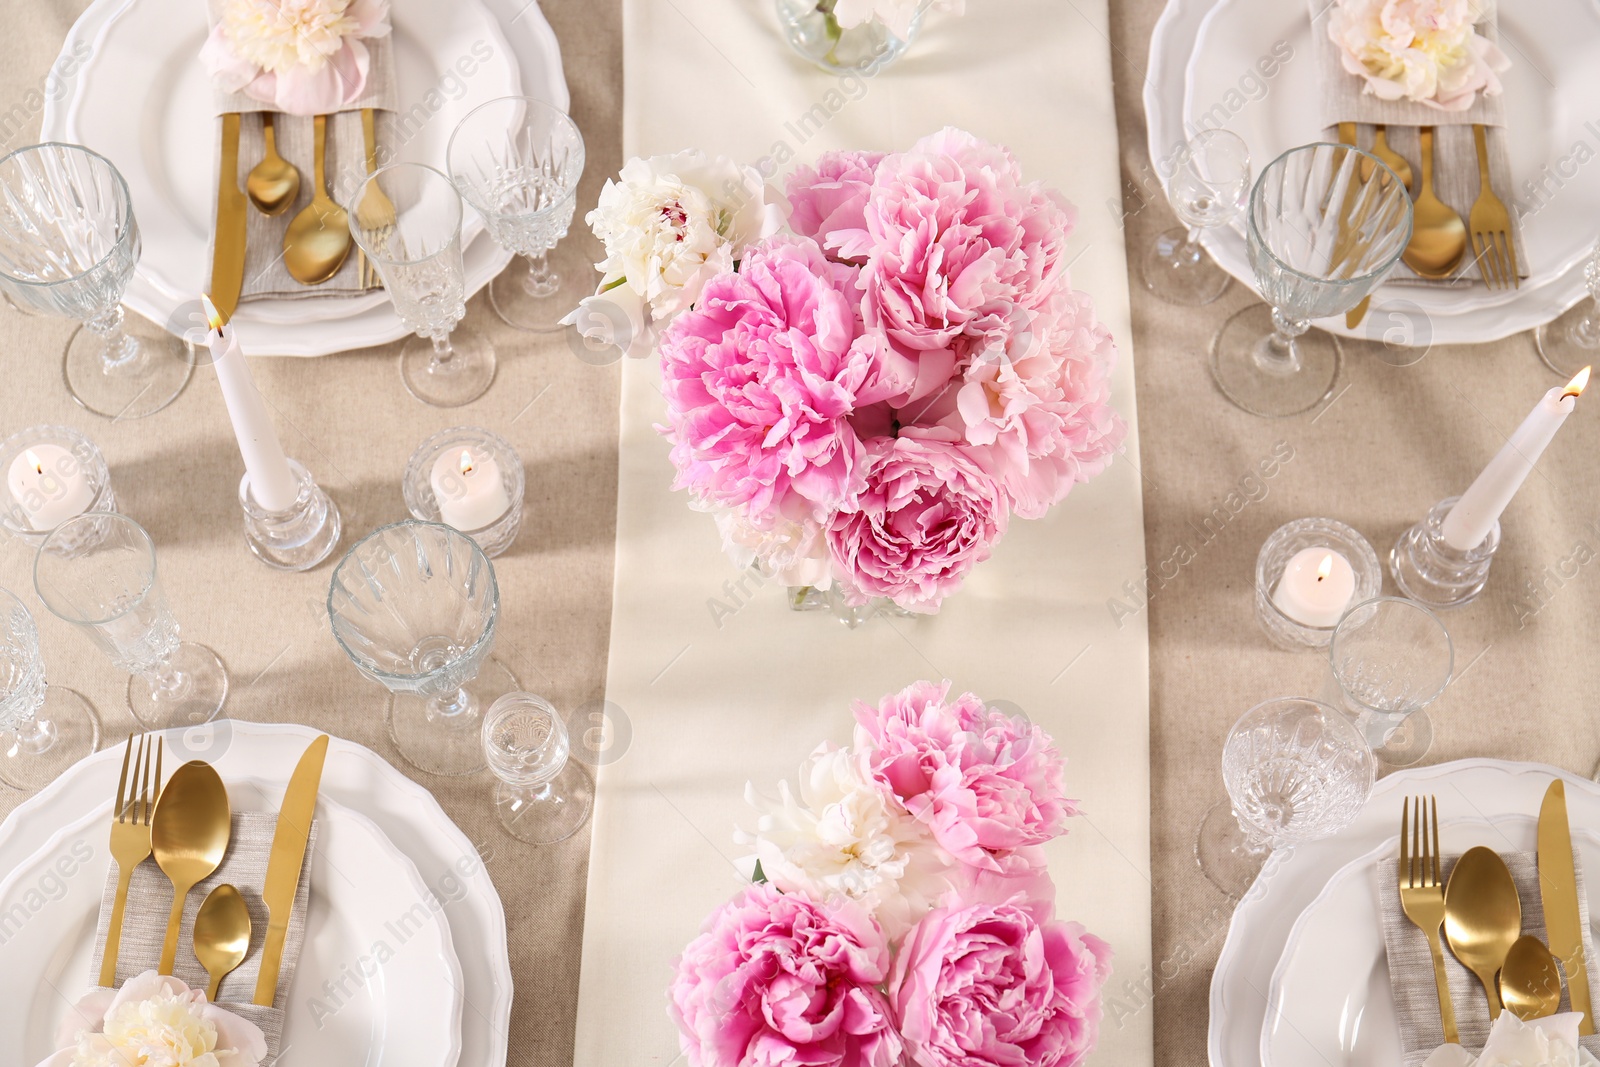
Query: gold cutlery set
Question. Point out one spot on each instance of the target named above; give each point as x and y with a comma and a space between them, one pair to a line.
1477, 913
186, 823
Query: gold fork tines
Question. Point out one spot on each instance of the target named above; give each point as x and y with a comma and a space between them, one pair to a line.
1490, 225
1422, 892
130, 834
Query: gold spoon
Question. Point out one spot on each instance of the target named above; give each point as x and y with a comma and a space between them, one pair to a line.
189, 834
1482, 913
1438, 236
1530, 985
274, 182
318, 238
221, 935
1391, 159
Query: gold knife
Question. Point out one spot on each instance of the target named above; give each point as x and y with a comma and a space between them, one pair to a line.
1353, 317
227, 257
369, 134
283, 865
1558, 892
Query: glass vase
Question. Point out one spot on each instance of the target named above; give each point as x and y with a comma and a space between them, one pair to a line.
812, 30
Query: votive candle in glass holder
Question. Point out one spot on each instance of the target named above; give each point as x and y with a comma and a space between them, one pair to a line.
49, 474
471, 479
1307, 573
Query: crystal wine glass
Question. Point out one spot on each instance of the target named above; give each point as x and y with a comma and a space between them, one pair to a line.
98, 572
1321, 238
1391, 658
517, 161
1208, 189
540, 796
1571, 342
417, 250
1295, 770
414, 605
69, 244
46, 728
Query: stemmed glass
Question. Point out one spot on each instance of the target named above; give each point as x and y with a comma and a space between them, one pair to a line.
517, 161
1208, 189
69, 244
1320, 238
540, 796
417, 250
1295, 770
414, 605
98, 572
1571, 341
46, 728
1391, 658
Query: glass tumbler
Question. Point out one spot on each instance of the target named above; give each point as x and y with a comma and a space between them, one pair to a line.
540, 796
1391, 658
1208, 188
98, 572
44, 729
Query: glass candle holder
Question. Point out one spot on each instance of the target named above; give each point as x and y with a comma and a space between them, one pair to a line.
299, 537
69, 477
1428, 569
470, 479
1288, 541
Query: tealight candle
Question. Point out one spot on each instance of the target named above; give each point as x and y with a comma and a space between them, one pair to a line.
468, 489
1316, 587
49, 484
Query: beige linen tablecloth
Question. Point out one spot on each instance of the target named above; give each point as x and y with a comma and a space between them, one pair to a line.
351, 421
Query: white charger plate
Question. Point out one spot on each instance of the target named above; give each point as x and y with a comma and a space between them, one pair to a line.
1331, 1000
355, 778
407, 1012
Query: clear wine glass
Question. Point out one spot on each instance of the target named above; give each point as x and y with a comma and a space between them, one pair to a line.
69, 244
45, 728
1321, 238
98, 572
540, 796
417, 249
1209, 188
1571, 342
1296, 770
414, 605
517, 161
1390, 659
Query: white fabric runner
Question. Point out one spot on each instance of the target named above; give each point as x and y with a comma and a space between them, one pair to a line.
698, 708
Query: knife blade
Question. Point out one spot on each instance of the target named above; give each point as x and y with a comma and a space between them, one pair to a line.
283, 864
1353, 317
227, 254
1558, 892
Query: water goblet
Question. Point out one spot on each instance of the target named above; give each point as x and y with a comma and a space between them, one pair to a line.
517, 161
1296, 770
69, 244
1571, 341
1320, 240
45, 728
415, 606
540, 796
1391, 658
1208, 188
98, 572
417, 250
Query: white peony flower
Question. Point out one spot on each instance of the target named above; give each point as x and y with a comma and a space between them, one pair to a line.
1551, 1042
1427, 51
843, 836
793, 554
896, 15
155, 1021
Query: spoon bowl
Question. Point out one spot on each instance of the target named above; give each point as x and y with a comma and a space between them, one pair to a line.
317, 241
272, 184
1392, 159
1530, 984
189, 835
1438, 234
221, 935
1482, 917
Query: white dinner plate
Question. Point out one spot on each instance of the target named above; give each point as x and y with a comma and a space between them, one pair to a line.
353, 777
364, 894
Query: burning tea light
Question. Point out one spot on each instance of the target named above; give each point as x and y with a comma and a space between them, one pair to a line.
1316, 587
469, 489
50, 486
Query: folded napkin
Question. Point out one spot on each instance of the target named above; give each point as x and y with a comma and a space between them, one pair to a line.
1455, 153
1411, 963
144, 923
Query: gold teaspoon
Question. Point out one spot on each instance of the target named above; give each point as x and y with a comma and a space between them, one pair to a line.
274, 182
1438, 236
318, 238
221, 935
1530, 985
1392, 159
189, 835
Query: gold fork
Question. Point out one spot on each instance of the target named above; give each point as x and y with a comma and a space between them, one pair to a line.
130, 837
374, 212
1490, 225
1422, 893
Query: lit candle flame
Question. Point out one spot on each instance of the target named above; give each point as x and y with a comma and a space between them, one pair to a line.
1325, 568
213, 316
466, 462
1575, 387
34, 461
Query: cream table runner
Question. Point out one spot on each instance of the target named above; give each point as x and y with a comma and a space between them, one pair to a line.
698, 707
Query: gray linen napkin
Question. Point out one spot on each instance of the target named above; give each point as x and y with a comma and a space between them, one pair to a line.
144, 923
1455, 154
1411, 964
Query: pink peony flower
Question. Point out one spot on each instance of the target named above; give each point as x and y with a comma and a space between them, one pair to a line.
925, 516
304, 57
988, 786
1427, 51
760, 380
780, 981
832, 197
999, 984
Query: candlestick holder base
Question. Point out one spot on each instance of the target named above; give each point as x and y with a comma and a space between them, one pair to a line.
297, 538
1432, 572
1285, 543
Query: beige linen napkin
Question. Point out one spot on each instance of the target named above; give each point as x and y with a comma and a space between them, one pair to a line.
144, 923
1411, 964
1455, 154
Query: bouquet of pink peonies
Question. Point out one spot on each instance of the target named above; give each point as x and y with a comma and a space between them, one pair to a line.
900, 911
869, 398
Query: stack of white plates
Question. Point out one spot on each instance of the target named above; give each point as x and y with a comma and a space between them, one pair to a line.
1303, 980
404, 962
1249, 66
142, 100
